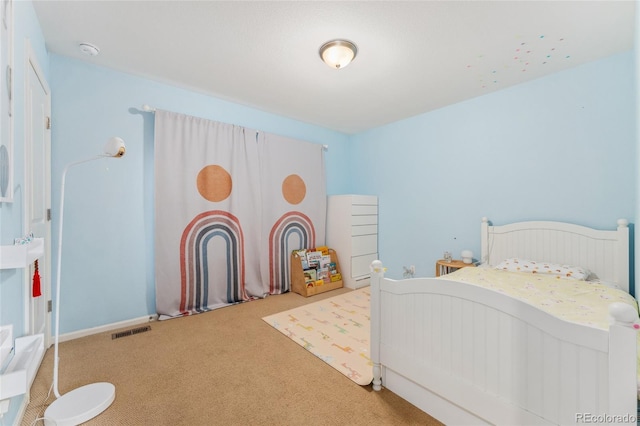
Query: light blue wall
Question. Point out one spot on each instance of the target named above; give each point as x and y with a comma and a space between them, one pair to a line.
561, 147
12, 282
107, 268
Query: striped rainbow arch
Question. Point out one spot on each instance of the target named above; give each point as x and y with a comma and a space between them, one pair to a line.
194, 266
294, 230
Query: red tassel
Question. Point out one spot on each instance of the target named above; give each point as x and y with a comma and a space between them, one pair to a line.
36, 282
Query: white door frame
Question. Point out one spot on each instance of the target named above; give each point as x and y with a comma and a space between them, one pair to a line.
31, 62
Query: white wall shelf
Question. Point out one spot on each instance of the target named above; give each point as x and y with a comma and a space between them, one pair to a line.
19, 374
6, 343
21, 256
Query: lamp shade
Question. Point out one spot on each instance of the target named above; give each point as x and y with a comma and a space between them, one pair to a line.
467, 256
338, 53
114, 147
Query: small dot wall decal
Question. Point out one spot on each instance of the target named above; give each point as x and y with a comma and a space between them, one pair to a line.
528, 53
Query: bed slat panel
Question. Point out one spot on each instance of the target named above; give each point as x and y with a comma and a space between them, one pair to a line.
456, 337
603, 388
551, 372
435, 320
535, 379
492, 346
569, 380
466, 368
479, 339
506, 333
447, 332
519, 363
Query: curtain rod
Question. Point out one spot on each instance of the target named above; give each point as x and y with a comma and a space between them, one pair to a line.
149, 108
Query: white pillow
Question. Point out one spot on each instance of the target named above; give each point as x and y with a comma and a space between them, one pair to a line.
546, 268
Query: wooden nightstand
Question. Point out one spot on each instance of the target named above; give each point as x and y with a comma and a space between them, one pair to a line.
443, 267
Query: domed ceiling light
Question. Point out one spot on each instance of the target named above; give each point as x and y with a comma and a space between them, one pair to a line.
89, 49
338, 53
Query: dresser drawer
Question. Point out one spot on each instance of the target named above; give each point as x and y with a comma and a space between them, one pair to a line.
357, 210
364, 244
364, 199
361, 265
364, 230
371, 219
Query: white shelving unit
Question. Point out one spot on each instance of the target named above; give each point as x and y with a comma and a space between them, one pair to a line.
352, 231
21, 256
21, 370
6, 343
28, 351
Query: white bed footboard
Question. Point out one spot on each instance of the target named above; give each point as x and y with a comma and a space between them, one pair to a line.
470, 355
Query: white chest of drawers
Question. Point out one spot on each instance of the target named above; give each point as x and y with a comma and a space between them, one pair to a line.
352, 231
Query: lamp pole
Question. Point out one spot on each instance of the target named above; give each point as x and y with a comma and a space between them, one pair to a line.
88, 401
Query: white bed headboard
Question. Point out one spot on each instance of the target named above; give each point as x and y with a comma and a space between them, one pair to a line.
605, 253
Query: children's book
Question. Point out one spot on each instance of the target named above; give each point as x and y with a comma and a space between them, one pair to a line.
314, 258
323, 249
325, 261
333, 268
302, 254
310, 276
323, 274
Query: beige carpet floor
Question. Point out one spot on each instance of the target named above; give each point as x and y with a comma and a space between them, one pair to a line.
225, 367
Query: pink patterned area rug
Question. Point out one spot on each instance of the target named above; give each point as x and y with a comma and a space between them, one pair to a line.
336, 330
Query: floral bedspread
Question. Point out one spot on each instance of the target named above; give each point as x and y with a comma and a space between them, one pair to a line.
582, 302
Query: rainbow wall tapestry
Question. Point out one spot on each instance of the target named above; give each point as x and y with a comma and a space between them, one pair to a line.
231, 204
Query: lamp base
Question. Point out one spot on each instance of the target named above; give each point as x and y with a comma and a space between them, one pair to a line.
80, 405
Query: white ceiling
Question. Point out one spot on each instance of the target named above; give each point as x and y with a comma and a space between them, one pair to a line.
413, 57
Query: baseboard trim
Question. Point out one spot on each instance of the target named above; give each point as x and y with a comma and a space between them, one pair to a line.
107, 327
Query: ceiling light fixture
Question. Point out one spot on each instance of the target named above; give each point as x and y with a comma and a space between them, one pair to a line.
338, 53
89, 49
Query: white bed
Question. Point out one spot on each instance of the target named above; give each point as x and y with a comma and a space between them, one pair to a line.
470, 355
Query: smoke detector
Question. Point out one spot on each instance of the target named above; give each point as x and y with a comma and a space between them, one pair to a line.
89, 49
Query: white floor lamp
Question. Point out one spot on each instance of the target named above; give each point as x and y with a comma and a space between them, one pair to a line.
86, 402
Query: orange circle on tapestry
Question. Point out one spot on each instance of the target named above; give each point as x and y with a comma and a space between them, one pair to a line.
294, 189
214, 183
